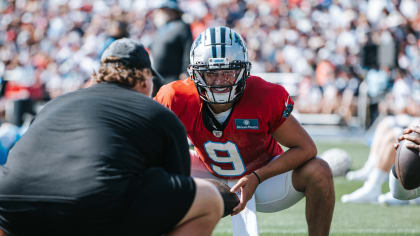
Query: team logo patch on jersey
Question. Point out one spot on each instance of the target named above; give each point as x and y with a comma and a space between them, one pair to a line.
217, 133
288, 110
246, 124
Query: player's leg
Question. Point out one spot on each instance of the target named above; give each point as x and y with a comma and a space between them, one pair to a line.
385, 149
245, 223
315, 179
277, 193
387, 153
372, 188
383, 127
398, 191
205, 212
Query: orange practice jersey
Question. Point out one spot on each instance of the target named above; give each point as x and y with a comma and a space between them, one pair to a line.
244, 142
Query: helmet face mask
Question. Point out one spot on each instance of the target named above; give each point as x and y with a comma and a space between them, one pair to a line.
219, 65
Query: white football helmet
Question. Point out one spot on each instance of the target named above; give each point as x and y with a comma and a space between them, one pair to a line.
217, 49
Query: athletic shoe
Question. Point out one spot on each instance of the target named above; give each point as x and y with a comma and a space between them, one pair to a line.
362, 195
388, 200
415, 201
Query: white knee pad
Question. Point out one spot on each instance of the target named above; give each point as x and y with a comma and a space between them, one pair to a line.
399, 192
277, 193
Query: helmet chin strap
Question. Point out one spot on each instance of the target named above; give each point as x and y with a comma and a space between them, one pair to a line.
205, 91
221, 97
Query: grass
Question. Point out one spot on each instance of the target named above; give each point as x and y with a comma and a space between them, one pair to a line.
348, 219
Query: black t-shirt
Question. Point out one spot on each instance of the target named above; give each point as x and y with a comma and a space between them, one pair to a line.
93, 142
171, 49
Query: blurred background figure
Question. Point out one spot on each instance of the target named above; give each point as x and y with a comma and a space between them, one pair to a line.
9, 135
172, 41
377, 168
399, 108
118, 29
309, 96
381, 157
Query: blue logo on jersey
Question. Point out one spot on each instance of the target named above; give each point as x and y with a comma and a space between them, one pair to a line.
246, 124
288, 110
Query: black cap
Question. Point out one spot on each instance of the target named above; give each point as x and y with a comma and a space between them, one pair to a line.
131, 53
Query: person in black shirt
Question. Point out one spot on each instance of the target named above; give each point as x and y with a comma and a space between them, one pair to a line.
170, 48
106, 160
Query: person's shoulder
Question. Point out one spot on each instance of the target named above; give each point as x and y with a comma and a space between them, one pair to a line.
178, 88
258, 85
180, 96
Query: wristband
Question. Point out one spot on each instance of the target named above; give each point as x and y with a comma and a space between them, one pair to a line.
258, 177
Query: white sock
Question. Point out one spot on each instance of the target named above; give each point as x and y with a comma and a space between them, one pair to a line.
375, 180
245, 223
370, 163
364, 172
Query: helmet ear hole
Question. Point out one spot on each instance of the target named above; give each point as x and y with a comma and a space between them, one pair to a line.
219, 48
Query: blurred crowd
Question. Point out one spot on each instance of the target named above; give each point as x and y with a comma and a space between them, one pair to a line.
50, 47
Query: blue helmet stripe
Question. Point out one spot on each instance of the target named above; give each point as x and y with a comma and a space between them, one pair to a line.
223, 41
213, 41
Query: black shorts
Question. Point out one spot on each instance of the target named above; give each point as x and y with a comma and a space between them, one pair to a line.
155, 206
162, 202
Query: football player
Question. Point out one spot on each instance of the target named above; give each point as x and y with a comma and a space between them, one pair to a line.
236, 123
397, 189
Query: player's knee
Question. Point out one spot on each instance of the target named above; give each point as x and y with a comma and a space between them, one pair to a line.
315, 174
319, 172
389, 138
387, 123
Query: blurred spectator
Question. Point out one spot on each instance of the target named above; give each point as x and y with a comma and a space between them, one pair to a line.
309, 96
326, 79
324, 73
23, 89
9, 135
348, 85
400, 99
170, 48
378, 83
117, 30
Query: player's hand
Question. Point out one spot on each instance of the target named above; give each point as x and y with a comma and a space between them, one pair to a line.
413, 138
247, 186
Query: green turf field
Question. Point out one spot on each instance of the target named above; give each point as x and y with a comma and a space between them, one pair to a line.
349, 219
